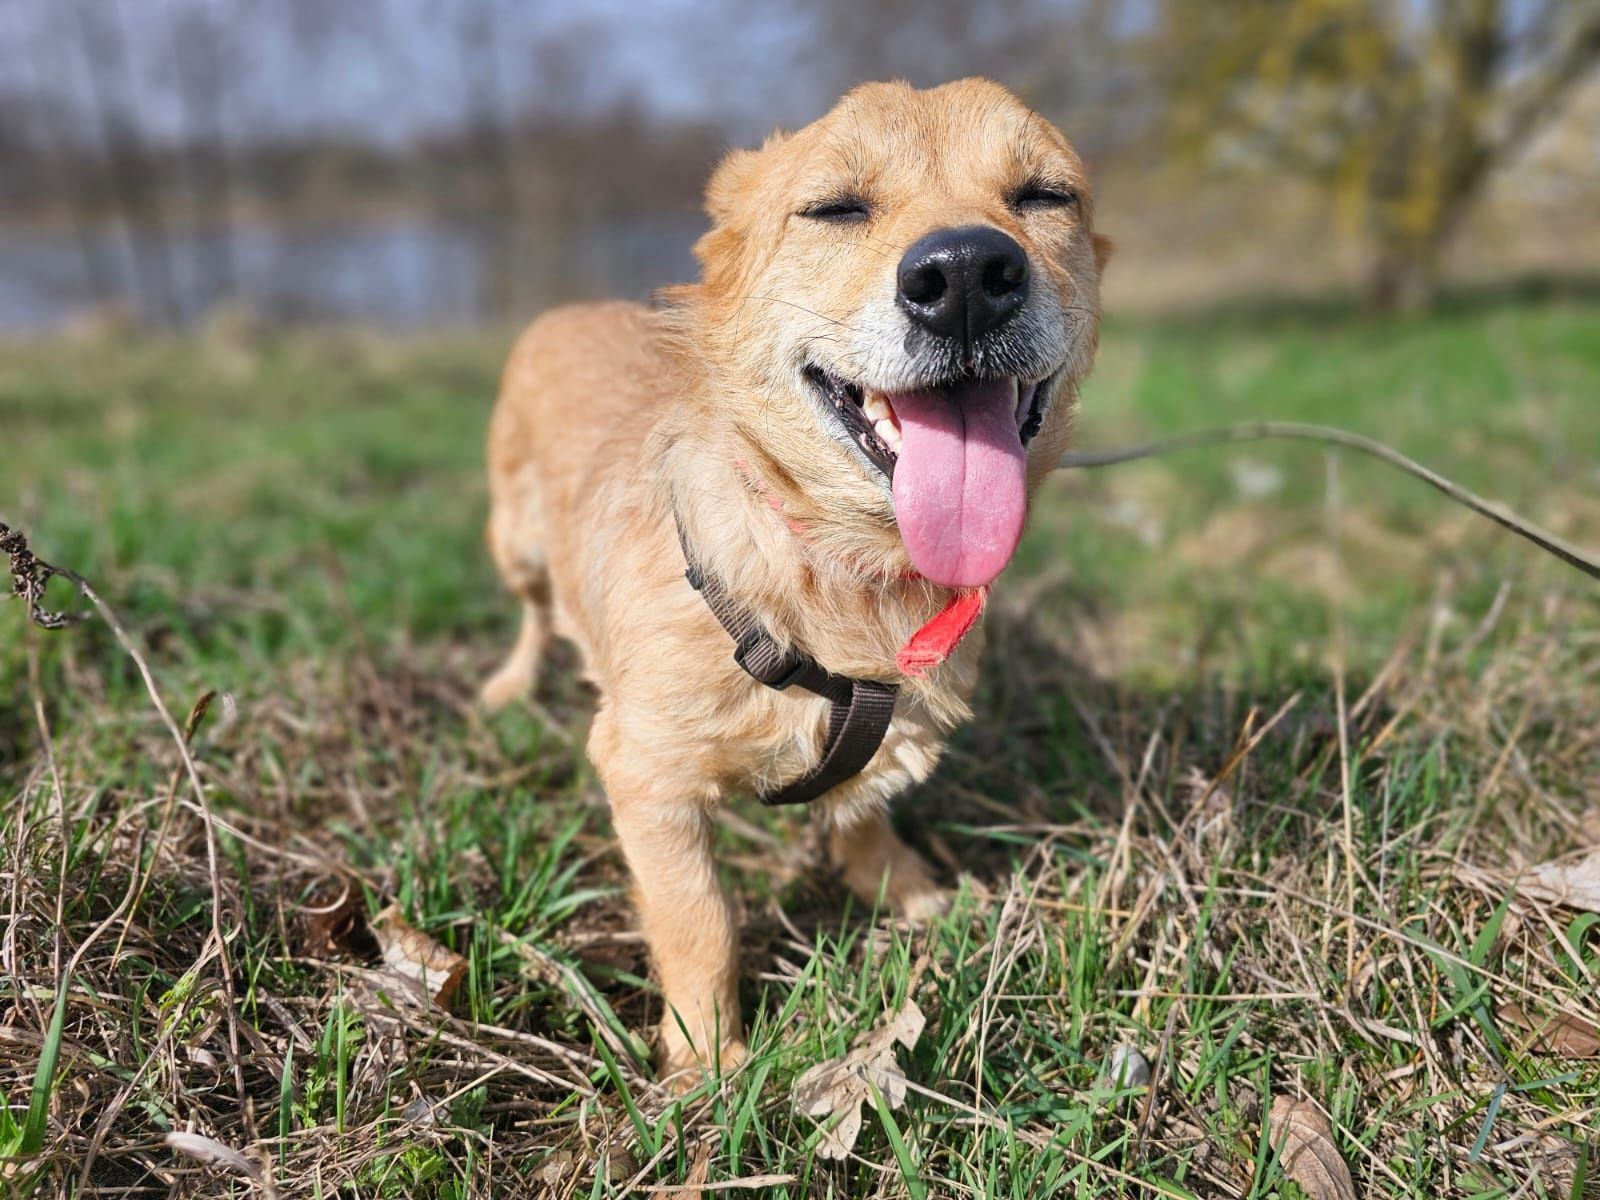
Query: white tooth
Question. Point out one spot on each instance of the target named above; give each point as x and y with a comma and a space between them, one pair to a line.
876, 408
890, 434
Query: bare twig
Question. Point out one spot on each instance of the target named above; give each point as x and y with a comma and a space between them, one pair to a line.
1255, 431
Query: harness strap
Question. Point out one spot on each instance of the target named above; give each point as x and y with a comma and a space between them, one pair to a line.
859, 710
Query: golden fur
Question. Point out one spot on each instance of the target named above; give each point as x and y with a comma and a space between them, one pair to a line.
611, 414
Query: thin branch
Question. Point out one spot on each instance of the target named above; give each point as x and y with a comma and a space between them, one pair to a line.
1255, 431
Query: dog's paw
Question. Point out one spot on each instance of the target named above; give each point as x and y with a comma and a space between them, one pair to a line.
910, 892
682, 1069
504, 687
922, 905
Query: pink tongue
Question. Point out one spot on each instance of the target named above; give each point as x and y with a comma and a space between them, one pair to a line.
960, 484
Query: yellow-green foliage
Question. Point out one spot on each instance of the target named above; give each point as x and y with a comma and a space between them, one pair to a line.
1401, 110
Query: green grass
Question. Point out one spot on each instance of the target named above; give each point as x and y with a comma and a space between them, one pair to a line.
297, 524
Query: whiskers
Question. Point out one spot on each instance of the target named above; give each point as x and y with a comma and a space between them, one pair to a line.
842, 324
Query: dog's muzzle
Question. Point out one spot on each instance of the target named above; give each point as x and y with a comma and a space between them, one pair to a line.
963, 283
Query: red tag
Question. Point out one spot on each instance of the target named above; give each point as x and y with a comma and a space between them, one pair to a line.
938, 639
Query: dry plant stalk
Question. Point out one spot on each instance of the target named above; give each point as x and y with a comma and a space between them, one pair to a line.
30, 575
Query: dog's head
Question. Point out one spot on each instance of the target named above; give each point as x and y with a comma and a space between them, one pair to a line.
910, 286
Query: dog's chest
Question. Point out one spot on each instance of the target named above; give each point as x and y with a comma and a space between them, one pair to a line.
785, 732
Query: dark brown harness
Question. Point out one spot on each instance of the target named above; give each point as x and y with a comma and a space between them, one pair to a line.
859, 710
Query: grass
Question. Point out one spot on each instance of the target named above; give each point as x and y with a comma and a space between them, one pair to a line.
1262, 739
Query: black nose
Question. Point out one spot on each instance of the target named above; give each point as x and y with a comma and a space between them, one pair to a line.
961, 283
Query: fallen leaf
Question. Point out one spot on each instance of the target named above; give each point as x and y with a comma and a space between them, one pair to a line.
1304, 1141
620, 1165
209, 1150
1574, 884
558, 1168
837, 1087
1562, 1033
336, 928
694, 1179
1126, 1068
1588, 831
420, 1110
425, 967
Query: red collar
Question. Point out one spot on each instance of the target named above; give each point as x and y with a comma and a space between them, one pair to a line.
938, 639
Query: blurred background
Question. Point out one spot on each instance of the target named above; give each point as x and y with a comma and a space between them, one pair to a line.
411, 163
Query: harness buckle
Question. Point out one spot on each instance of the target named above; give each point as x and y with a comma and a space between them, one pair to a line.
758, 654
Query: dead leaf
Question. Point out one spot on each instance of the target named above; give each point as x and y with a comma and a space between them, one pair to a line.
620, 1165
1574, 884
421, 1111
211, 1151
1561, 1033
558, 1168
838, 1087
1126, 1068
1304, 1141
694, 1179
1588, 831
425, 967
339, 927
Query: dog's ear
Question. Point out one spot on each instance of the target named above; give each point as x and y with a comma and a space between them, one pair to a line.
729, 182
1103, 246
734, 178
722, 250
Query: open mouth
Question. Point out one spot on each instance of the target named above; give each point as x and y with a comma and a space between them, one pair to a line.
953, 458
872, 424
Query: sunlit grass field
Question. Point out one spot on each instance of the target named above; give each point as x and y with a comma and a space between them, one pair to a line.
1264, 738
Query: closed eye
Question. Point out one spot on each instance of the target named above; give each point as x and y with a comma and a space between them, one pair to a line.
839, 209
1036, 194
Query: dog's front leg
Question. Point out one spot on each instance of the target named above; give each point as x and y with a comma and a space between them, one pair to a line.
690, 928
666, 838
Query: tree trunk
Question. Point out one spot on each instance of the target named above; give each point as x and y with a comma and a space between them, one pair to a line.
1406, 264
495, 220
104, 43
1402, 280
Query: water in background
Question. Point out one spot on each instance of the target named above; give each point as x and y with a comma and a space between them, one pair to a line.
403, 273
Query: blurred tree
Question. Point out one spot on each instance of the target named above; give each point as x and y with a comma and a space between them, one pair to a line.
497, 222
135, 181
41, 150
1066, 57
1403, 109
202, 56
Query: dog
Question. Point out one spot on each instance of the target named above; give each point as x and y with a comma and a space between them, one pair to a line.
841, 424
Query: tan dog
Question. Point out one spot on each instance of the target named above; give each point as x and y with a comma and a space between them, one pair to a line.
848, 413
